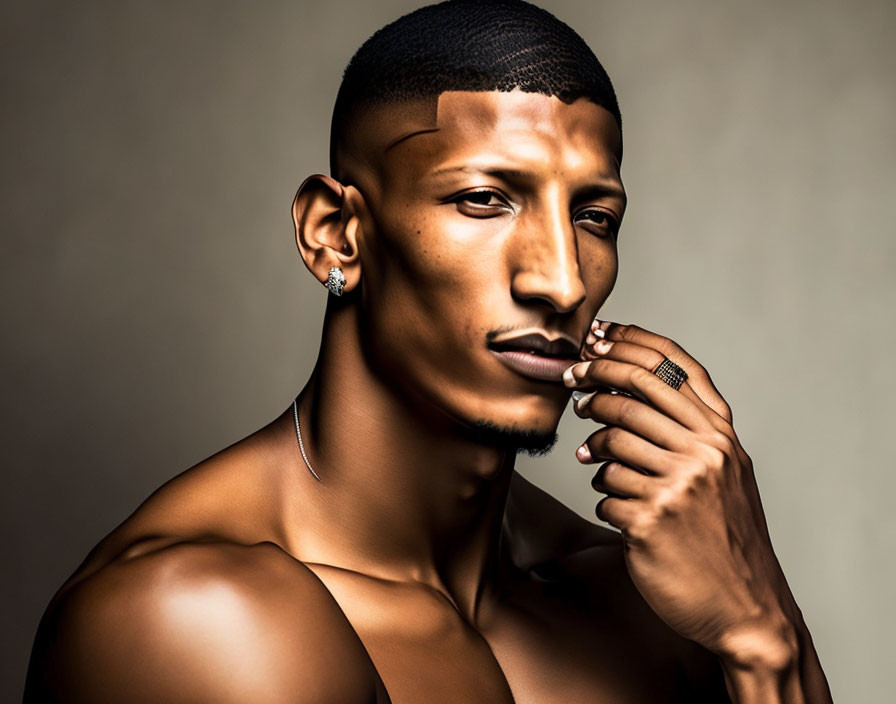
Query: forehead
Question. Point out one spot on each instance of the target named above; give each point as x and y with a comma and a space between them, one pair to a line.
535, 132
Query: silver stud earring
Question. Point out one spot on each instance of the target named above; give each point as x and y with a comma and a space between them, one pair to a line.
335, 281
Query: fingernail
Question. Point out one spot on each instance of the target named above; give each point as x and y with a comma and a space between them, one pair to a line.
603, 346
574, 373
583, 454
581, 401
590, 338
602, 325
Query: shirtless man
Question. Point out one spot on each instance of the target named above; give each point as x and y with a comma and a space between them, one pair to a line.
374, 543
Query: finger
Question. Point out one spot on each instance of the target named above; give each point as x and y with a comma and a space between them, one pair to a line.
698, 377
618, 512
650, 359
612, 443
635, 353
620, 480
635, 379
636, 416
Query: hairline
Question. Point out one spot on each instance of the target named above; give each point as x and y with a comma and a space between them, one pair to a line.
340, 123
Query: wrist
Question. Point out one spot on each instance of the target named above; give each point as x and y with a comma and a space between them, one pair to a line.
761, 666
771, 647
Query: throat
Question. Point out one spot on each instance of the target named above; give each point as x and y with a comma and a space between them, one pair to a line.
436, 522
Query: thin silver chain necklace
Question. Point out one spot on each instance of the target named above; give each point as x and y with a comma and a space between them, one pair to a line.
295, 414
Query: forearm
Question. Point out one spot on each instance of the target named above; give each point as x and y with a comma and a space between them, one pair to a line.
785, 670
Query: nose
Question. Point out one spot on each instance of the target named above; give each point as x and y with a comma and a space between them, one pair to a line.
546, 260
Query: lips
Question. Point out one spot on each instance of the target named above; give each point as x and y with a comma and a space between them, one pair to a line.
536, 357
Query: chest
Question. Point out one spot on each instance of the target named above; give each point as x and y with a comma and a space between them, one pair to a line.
533, 645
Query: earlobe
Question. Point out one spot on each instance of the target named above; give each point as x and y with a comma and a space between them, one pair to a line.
326, 229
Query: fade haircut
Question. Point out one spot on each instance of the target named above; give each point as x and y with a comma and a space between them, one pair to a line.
469, 45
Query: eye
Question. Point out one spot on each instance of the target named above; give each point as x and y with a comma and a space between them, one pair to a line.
482, 203
600, 222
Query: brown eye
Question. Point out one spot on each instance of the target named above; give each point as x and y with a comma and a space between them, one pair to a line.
481, 204
598, 221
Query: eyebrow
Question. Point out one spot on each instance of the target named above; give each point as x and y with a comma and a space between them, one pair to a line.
605, 186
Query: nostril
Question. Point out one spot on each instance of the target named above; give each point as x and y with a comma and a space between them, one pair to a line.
561, 297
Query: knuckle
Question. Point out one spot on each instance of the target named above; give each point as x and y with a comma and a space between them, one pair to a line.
681, 353
720, 441
676, 348
693, 479
641, 527
641, 377
613, 438
627, 410
725, 412
697, 369
713, 459
666, 503
719, 424
674, 351
695, 474
628, 332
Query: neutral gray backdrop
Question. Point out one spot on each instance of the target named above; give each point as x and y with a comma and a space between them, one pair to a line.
154, 308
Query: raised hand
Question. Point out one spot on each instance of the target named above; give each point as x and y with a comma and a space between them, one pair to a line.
681, 490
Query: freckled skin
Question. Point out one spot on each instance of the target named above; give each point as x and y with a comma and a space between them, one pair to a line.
421, 567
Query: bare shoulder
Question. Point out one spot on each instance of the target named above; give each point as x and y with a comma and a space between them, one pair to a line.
199, 622
229, 496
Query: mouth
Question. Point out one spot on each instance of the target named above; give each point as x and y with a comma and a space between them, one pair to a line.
535, 356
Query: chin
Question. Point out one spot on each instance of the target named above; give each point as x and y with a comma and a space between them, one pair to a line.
530, 427
534, 441
525, 422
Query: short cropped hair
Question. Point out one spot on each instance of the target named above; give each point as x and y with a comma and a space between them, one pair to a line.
470, 45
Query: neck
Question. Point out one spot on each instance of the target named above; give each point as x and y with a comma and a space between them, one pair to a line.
404, 494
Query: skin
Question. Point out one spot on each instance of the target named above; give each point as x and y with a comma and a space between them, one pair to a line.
422, 567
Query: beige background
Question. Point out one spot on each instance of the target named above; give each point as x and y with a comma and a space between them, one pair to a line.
154, 308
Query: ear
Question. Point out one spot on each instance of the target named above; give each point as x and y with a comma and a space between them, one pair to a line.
327, 229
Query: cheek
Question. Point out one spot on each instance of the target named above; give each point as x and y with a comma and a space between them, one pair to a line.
429, 255
421, 336
418, 291
601, 270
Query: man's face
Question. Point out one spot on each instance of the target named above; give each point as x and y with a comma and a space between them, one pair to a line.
491, 215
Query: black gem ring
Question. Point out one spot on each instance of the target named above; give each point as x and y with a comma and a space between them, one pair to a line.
671, 373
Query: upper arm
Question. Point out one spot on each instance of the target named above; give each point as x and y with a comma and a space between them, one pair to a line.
200, 623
